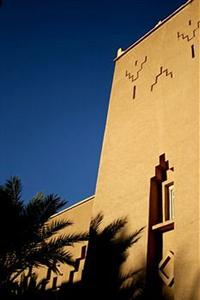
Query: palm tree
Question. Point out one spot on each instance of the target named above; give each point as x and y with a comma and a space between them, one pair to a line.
28, 239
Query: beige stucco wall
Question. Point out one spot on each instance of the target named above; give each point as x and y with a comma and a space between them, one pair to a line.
80, 215
162, 118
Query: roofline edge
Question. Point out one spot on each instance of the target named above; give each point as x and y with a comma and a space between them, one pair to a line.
123, 52
73, 206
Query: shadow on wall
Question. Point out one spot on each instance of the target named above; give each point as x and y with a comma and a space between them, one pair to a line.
102, 279
107, 251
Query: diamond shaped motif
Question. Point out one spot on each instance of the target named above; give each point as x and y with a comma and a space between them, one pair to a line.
166, 269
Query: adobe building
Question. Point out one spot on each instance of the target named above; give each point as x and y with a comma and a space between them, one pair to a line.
79, 215
149, 166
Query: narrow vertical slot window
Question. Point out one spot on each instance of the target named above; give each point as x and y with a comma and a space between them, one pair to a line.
192, 50
134, 91
54, 284
48, 274
83, 252
169, 202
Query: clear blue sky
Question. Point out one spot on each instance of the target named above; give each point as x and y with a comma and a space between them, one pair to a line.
56, 71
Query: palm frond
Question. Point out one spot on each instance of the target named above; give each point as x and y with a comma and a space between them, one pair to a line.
13, 189
33, 209
53, 227
52, 251
49, 256
35, 239
52, 204
114, 228
42, 207
125, 277
128, 240
95, 223
67, 240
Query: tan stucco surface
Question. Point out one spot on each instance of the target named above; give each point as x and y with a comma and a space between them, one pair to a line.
162, 118
80, 215
153, 110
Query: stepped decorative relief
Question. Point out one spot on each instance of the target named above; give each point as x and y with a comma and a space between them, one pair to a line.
77, 266
161, 73
188, 37
133, 77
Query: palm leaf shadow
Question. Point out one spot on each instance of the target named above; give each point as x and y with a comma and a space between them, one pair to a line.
107, 251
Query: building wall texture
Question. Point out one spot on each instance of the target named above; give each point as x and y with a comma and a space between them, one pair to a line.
151, 145
80, 216
154, 110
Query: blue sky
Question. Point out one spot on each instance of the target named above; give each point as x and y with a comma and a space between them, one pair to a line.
55, 78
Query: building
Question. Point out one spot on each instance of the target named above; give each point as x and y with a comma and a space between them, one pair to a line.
149, 166
80, 216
